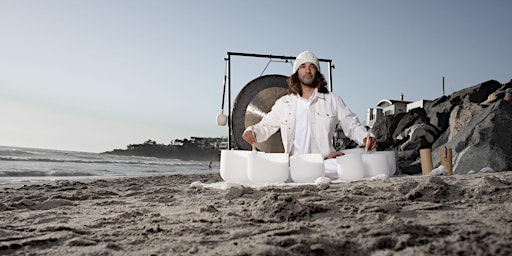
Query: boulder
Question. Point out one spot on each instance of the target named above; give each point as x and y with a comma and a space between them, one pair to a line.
388, 128
408, 162
497, 95
383, 130
462, 115
414, 116
417, 136
440, 109
484, 141
442, 139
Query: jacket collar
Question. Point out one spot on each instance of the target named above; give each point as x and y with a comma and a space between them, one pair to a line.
315, 95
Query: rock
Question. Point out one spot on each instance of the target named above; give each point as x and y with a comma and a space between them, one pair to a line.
497, 95
388, 128
410, 167
484, 141
414, 116
442, 139
382, 128
407, 162
461, 115
417, 136
439, 111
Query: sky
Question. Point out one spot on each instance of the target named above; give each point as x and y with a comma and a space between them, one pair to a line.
98, 75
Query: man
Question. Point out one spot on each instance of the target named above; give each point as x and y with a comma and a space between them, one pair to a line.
308, 115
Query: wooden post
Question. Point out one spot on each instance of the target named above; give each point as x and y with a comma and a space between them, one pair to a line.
446, 159
426, 161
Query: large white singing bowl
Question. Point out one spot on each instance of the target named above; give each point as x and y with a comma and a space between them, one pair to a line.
375, 164
267, 168
306, 167
350, 167
233, 166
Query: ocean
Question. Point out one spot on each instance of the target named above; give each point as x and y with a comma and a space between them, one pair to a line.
22, 165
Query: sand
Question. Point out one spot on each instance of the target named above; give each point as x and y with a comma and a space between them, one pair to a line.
468, 214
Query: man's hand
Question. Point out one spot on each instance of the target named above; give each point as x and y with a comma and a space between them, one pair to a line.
370, 143
333, 155
249, 137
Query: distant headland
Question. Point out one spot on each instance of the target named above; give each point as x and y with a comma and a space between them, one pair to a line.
195, 148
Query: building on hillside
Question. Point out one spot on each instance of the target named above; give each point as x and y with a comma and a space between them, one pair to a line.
208, 143
223, 145
387, 107
417, 104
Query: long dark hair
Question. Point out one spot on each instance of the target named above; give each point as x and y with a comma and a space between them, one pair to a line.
294, 84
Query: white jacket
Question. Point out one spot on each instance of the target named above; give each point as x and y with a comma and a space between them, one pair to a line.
325, 112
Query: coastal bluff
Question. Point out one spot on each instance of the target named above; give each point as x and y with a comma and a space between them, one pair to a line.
198, 149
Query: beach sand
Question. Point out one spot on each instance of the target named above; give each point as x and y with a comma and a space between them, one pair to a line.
468, 214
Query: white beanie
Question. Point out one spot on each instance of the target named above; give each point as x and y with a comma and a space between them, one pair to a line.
303, 57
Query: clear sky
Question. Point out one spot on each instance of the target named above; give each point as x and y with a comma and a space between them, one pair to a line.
101, 74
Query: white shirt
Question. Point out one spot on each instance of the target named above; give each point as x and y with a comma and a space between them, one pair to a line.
302, 139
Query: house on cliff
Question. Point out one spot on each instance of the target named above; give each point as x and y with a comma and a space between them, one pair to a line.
388, 107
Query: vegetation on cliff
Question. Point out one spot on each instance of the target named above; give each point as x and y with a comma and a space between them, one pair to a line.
196, 148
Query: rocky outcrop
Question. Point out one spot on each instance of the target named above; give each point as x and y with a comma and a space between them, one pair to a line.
472, 122
485, 141
460, 116
440, 109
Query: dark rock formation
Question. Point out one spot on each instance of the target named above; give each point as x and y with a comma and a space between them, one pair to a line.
382, 127
440, 109
472, 122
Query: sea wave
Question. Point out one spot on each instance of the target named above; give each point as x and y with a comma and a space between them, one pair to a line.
96, 161
43, 174
27, 164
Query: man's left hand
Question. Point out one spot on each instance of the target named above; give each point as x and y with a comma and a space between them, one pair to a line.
371, 143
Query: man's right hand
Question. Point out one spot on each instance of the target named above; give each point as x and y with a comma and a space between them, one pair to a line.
249, 137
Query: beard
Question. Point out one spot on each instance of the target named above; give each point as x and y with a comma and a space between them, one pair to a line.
307, 80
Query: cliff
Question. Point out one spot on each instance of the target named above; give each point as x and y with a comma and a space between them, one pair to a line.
183, 152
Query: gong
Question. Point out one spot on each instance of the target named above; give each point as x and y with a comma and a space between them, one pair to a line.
253, 103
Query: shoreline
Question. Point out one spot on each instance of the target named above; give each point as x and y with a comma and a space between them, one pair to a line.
458, 214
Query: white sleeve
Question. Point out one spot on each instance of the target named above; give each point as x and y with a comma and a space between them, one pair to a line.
270, 123
350, 123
